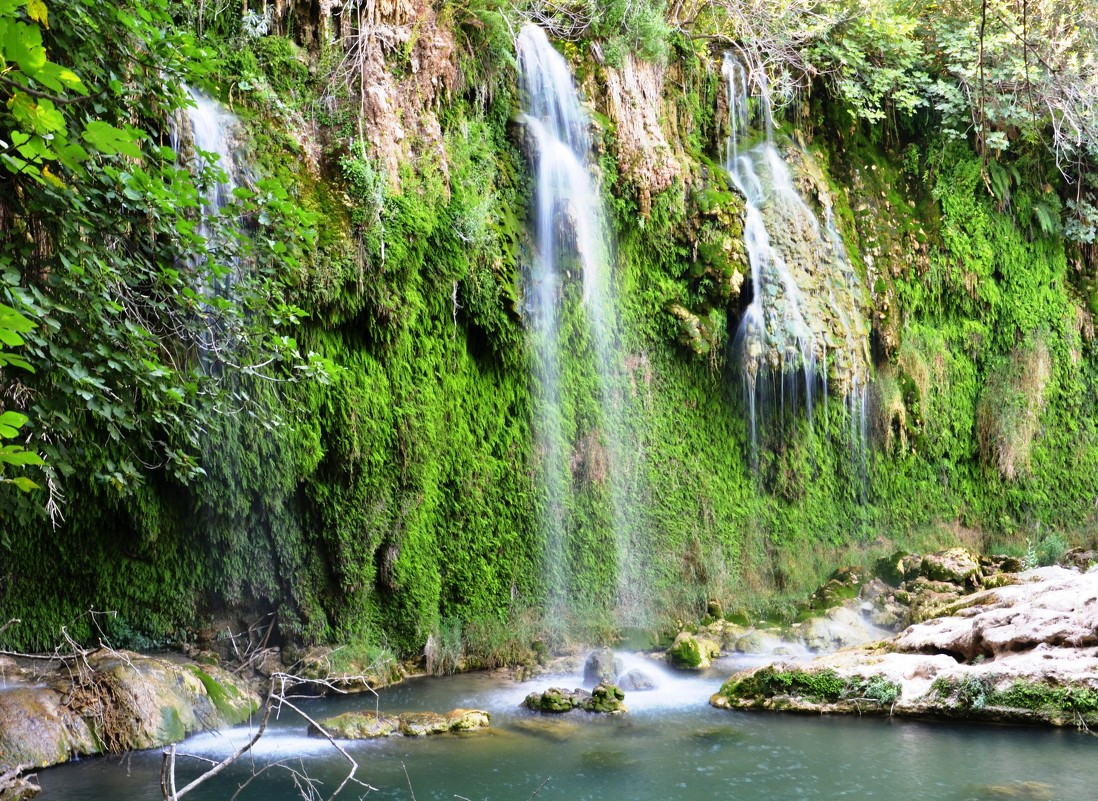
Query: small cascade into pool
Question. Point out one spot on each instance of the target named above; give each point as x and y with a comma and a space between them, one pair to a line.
571, 314
802, 334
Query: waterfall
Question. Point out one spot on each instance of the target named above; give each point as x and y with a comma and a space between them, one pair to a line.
573, 336
803, 328
203, 142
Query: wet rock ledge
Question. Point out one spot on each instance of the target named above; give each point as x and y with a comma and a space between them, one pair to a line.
110, 701
372, 725
1025, 651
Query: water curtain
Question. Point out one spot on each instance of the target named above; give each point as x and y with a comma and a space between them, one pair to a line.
578, 371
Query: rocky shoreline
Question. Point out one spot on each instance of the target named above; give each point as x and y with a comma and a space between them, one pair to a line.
1012, 647
947, 635
54, 709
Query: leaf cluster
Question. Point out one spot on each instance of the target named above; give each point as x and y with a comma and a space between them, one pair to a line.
110, 247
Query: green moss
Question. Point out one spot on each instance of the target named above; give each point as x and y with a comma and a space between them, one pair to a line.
687, 653
225, 698
1039, 700
171, 725
816, 686
1071, 699
823, 686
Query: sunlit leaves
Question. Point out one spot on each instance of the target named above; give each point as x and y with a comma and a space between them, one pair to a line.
138, 345
23, 45
110, 140
36, 10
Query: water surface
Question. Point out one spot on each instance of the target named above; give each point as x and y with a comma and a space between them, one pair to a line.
671, 745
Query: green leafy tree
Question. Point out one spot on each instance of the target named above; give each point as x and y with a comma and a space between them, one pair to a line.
12, 326
101, 245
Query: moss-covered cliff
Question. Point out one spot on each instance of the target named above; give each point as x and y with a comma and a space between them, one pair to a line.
400, 497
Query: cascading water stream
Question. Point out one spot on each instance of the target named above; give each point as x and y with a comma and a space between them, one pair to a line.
207, 141
204, 142
802, 327
570, 239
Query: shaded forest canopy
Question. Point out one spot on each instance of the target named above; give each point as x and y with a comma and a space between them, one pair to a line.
355, 453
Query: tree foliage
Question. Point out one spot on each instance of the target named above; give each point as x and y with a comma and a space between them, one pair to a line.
100, 246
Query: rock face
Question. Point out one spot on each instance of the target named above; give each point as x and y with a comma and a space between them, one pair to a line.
645, 157
115, 701
372, 725
605, 698
1025, 651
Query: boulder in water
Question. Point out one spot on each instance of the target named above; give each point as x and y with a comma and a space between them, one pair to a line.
468, 719
114, 701
556, 699
605, 698
602, 665
419, 724
357, 726
636, 680
690, 652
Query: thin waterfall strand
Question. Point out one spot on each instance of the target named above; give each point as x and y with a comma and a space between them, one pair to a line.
569, 231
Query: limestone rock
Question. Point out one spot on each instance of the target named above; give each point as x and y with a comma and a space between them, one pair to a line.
754, 642
839, 627
1023, 652
730, 634
357, 726
605, 698
1053, 607
955, 566
556, 699
372, 725
419, 724
39, 730
112, 701
636, 680
166, 701
644, 155
468, 719
602, 665
690, 652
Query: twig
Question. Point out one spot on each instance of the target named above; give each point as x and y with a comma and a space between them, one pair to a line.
409, 778
350, 777
538, 790
257, 773
169, 759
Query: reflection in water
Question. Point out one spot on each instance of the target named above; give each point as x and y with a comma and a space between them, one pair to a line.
659, 751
